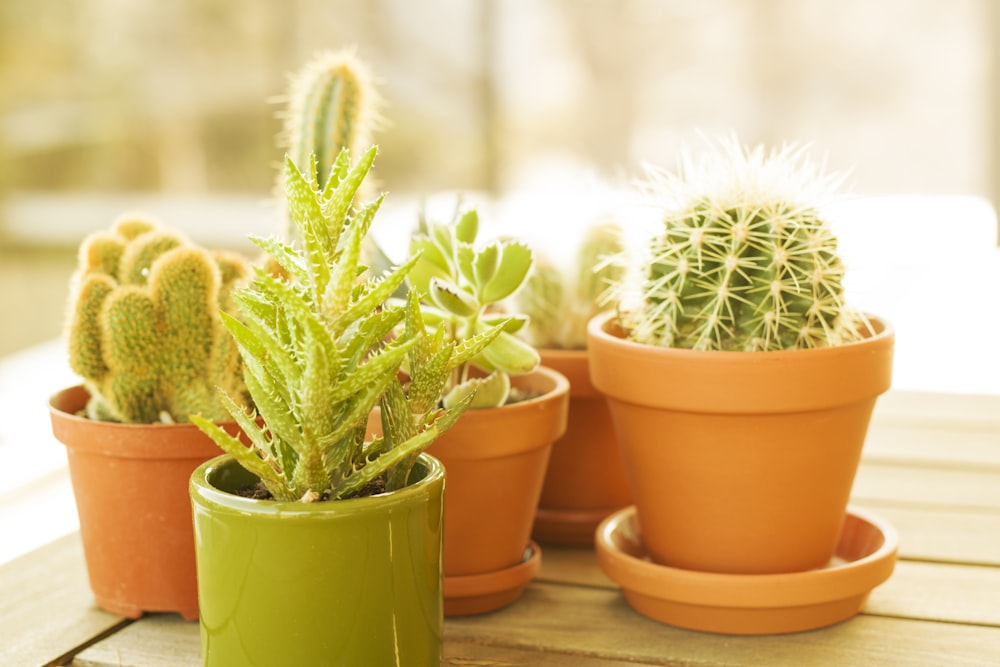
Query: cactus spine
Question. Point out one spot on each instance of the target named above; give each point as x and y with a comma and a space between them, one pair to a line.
143, 326
744, 260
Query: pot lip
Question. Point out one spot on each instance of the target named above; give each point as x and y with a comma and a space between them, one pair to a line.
598, 330
559, 387
78, 391
205, 494
845, 578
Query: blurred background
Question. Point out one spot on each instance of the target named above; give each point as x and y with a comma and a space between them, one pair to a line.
170, 107
530, 106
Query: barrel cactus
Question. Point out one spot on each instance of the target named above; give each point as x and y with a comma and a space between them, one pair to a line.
560, 298
143, 328
745, 260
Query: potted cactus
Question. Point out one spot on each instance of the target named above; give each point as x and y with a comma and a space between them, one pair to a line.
740, 382
497, 455
586, 479
321, 542
145, 335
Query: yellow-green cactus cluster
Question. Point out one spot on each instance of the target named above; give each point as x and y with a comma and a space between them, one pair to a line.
144, 330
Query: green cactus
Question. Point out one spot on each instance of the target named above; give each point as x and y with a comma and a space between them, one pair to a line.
319, 356
332, 105
558, 300
461, 286
143, 327
744, 261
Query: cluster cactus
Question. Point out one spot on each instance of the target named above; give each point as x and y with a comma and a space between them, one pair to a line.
322, 346
559, 300
143, 326
461, 285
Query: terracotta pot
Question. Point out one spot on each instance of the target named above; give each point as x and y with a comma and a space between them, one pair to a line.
586, 478
346, 582
740, 462
496, 460
130, 483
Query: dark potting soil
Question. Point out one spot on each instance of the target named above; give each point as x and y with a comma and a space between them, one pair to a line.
258, 491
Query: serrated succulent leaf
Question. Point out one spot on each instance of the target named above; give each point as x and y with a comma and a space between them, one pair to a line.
487, 263
467, 227
488, 392
515, 262
511, 354
284, 255
512, 323
465, 257
452, 298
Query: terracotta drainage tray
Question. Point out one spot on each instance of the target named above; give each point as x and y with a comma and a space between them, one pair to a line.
750, 604
480, 593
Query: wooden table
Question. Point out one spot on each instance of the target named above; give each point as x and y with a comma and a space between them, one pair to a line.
931, 467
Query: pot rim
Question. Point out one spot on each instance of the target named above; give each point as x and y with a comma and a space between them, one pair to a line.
204, 493
729, 382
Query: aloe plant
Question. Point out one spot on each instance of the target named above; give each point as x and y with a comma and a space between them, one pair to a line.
461, 286
744, 261
319, 356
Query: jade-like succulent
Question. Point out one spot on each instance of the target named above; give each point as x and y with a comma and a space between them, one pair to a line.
143, 324
461, 285
322, 347
560, 299
745, 260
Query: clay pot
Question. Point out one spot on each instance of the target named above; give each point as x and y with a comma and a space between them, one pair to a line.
345, 582
750, 604
740, 462
130, 482
496, 460
586, 478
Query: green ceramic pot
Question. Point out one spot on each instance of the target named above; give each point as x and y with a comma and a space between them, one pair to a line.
349, 582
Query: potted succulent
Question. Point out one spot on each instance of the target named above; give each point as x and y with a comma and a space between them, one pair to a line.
740, 382
586, 479
497, 455
321, 542
145, 335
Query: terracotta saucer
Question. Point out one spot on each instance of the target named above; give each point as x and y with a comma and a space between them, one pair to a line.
479, 593
567, 527
753, 604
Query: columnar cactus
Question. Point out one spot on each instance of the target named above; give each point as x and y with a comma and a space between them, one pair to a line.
560, 300
744, 260
144, 329
332, 106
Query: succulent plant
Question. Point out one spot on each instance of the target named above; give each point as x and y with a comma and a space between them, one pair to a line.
461, 286
143, 327
560, 299
744, 260
320, 352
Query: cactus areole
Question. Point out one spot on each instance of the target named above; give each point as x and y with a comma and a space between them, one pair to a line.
744, 260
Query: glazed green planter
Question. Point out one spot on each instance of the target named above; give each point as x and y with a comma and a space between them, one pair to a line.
348, 582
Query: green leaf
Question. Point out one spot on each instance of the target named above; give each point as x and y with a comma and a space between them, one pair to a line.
511, 354
467, 227
452, 298
487, 262
488, 392
515, 262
